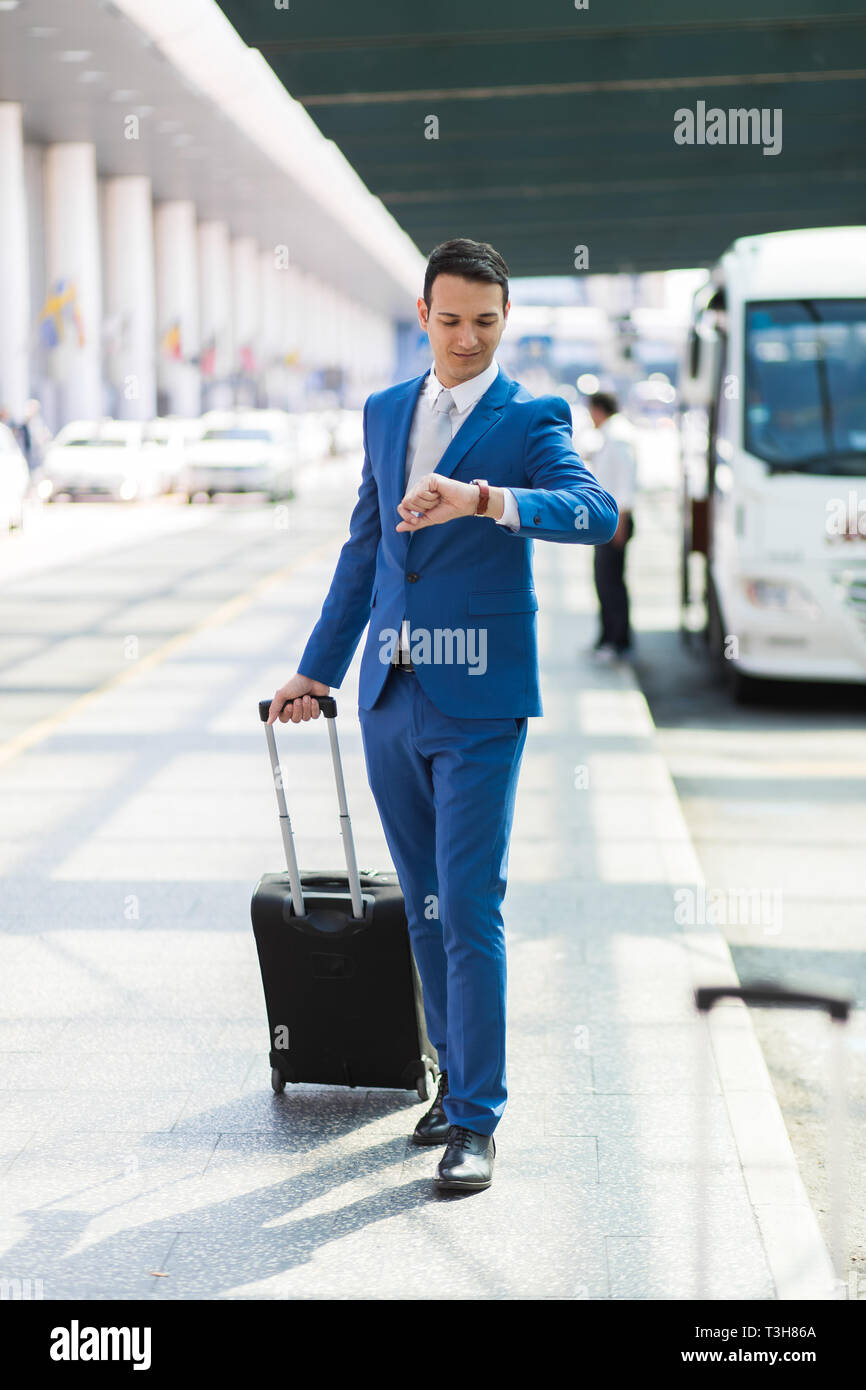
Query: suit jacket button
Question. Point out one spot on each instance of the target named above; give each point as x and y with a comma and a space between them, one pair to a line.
537, 520
411, 576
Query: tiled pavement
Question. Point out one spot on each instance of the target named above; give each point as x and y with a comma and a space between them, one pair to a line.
140, 1137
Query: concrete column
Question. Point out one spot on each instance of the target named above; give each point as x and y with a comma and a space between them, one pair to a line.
386, 359
42, 386
333, 325
340, 310
14, 265
130, 296
177, 309
272, 334
245, 317
300, 327
294, 347
74, 281
354, 393
348, 350
346, 341
292, 313
329, 324
380, 367
317, 319
307, 335
371, 345
215, 315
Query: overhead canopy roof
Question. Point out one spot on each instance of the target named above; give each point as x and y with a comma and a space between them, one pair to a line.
556, 124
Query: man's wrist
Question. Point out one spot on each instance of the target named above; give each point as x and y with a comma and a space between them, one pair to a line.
495, 501
313, 680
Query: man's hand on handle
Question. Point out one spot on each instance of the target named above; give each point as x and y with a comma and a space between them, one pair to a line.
296, 700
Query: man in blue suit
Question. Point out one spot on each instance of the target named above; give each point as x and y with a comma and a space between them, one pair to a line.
463, 470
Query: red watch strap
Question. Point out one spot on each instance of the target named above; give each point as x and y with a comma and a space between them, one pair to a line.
483, 497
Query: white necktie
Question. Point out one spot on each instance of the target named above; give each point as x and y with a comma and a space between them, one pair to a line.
435, 436
434, 439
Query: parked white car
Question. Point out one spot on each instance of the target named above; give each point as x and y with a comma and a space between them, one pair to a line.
242, 451
165, 442
14, 481
101, 458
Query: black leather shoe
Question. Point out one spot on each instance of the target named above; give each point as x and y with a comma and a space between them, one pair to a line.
467, 1163
433, 1127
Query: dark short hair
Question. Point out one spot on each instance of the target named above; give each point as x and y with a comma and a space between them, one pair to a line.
471, 260
603, 400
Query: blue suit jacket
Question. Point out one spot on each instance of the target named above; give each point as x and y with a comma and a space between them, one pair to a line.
467, 584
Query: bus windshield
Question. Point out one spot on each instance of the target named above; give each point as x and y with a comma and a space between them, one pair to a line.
805, 397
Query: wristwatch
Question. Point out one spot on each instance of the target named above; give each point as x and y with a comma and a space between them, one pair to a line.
484, 495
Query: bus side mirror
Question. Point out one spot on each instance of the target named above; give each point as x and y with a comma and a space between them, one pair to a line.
697, 384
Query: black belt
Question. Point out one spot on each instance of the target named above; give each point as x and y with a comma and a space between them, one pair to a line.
403, 665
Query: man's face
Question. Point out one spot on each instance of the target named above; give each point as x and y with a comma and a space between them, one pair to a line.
597, 416
464, 323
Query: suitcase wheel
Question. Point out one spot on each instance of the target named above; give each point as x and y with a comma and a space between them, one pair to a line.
278, 1081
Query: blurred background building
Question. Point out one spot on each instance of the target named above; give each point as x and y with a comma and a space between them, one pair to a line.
209, 205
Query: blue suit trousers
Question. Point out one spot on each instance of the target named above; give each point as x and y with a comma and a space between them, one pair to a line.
445, 789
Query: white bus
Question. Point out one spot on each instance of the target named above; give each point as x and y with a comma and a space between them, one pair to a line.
773, 449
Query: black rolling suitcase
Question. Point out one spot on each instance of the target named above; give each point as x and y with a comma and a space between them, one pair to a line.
342, 990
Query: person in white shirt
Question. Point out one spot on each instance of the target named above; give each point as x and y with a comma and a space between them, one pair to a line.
615, 467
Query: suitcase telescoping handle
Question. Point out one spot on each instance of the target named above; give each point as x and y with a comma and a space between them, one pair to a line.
838, 1008
328, 706
773, 996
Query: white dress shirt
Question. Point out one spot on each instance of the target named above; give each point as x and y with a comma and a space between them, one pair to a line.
466, 396
615, 463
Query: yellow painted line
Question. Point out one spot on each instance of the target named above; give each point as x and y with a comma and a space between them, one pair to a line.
28, 738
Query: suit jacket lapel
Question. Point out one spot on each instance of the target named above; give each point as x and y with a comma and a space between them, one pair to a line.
404, 409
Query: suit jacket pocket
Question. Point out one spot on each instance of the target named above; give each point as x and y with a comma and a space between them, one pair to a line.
503, 601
